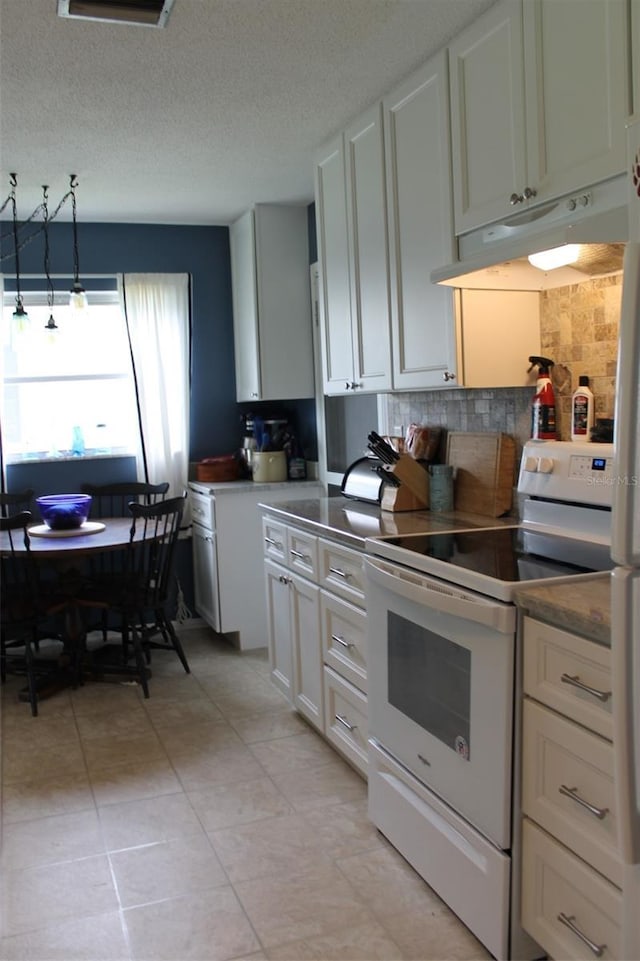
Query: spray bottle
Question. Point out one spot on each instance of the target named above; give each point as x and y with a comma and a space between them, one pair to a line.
543, 408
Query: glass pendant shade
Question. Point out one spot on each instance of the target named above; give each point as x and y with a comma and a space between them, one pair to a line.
78, 297
20, 316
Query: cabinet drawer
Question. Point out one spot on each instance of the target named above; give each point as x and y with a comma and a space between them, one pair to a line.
302, 553
344, 639
556, 662
561, 758
341, 572
202, 509
557, 885
274, 535
346, 724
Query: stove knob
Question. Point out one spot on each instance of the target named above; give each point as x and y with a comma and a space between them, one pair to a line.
545, 465
531, 464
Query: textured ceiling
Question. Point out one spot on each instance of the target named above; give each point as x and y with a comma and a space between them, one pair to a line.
192, 124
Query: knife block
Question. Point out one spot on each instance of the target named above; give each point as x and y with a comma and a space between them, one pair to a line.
413, 492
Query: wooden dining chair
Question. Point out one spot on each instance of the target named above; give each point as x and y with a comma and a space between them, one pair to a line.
139, 597
25, 605
15, 502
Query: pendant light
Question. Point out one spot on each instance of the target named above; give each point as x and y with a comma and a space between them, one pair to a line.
20, 316
78, 295
50, 324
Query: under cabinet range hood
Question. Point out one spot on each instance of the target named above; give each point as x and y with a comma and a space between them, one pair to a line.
495, 256
146, 13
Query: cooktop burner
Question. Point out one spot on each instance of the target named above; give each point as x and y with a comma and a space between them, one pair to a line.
510, 554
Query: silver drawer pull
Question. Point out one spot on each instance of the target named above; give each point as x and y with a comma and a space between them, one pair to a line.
572, 792
270, 541
340, 640
339, 573
302, 557
345, 723
598, 949
575, 681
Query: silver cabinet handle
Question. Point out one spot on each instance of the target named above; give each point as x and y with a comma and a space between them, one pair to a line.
197, 510
348, 386
340, 640
574, 681
448, 375
572, 792
598, 949
302, 557
345, 723
515, 199
339, 573
529, 192
270, 541
284, 579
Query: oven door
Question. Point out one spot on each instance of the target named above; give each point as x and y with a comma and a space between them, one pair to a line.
441, 686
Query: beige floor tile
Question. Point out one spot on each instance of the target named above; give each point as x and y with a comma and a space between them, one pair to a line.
51, 893
345, 829
433, 936
206, 738
96, 697
53, 730
282, 909
285, 754
168, 869
276, 847
63, 837
232, 677
170, 714
16, 712
100, 938
262, 699
39, 763
210, 926
61, 794
364, 942
228, 805
268, 727
181, 687
200, 769
113, 751
146, 778
130, 722
134, 823
332, 783
387, 884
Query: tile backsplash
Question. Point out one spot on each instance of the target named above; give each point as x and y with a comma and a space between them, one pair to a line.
578, 331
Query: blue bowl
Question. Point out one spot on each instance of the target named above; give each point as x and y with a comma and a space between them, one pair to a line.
64, 512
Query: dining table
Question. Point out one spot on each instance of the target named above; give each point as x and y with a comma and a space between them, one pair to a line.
65, 554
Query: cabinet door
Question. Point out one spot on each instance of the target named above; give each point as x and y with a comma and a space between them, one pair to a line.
416, 119
205, 574
487, 114
333, 254
279, 627
369, 273
576, 91
304, 599
245, 307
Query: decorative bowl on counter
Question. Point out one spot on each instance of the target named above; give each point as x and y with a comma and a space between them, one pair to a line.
64, 512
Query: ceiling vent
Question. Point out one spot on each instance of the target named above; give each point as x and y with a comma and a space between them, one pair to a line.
147, 13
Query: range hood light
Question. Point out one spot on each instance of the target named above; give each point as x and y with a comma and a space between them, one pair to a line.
555, 257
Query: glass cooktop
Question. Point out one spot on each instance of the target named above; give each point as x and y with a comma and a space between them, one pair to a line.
511, 554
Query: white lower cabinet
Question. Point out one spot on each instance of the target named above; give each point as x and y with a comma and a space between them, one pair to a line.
571, 870
316, 625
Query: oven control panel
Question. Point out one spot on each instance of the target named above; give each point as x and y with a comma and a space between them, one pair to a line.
569, 471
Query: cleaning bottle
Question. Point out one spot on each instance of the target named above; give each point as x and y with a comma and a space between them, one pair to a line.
582, 410
543, 408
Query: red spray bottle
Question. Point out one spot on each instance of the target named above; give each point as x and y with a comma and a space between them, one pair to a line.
543, 408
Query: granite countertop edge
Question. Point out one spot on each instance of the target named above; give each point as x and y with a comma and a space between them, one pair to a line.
581, 607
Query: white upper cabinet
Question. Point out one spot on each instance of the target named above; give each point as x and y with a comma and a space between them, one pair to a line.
416, 126
353, 255
540, 93
272, 303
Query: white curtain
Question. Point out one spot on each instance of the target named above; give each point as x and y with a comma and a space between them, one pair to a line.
156, 308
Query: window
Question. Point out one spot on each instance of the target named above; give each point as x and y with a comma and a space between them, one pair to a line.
78, 376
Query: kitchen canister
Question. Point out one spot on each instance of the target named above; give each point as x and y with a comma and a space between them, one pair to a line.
269, 466
441, 487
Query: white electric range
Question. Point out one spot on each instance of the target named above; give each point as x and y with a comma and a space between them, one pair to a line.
442, 654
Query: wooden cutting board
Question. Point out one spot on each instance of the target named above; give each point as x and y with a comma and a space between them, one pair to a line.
484, 471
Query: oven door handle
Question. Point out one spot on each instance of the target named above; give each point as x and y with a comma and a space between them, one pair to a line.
440, 596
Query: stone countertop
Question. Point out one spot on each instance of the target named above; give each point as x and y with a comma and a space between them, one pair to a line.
582, 607
351, 522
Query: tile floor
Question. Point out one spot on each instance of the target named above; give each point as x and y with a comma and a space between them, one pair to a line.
204, 824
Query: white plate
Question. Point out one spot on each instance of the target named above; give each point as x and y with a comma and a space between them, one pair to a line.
89, 527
